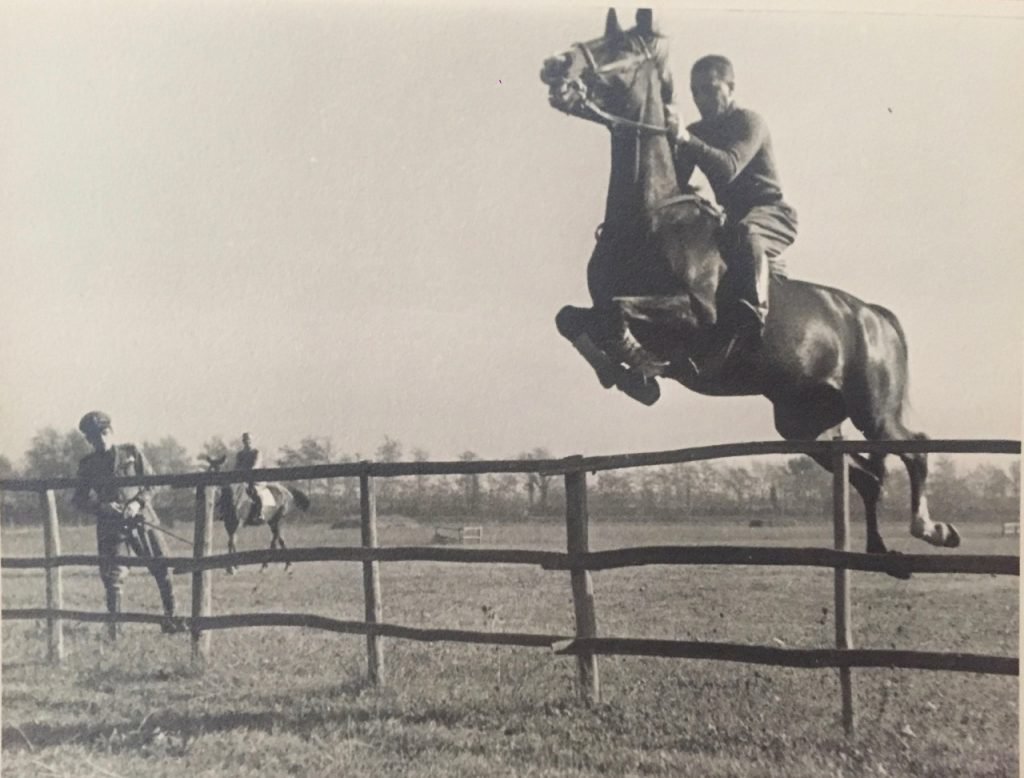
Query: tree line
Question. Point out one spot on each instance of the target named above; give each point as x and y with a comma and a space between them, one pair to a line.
773, 490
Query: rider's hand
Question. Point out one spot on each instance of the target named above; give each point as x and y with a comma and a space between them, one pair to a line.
131, 510
676, 131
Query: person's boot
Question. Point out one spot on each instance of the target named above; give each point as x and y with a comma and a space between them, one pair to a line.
753, 305
113, 607
171, 624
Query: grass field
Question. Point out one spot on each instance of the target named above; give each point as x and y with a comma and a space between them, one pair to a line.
289, 701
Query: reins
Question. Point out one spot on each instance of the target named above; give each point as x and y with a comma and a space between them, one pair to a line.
611, 120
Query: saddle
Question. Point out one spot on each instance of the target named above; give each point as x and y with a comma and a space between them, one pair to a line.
262, 503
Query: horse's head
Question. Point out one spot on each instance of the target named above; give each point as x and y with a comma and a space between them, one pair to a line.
602, 79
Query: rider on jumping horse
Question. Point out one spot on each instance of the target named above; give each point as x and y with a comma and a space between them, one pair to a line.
732, 147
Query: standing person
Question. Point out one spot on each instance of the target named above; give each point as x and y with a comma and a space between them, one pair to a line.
733, 148
249, 458
124, 515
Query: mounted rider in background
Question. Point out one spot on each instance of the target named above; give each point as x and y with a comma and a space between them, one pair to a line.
249, 458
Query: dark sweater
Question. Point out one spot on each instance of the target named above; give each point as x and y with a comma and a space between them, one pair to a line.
734, 151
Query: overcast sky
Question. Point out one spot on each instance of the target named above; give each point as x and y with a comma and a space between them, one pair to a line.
358, 220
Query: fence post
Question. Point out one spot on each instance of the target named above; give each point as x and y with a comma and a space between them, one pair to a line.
202, 596
54, 586
578, 542
371, 578
841, 528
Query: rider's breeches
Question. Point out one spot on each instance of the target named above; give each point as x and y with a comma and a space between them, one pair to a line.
753, 244
116, 538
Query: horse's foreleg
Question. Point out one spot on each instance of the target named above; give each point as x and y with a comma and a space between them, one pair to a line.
281, 545
589, 332
577, 326
273, 545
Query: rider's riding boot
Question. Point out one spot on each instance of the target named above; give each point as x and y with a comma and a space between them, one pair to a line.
113, 607
256, 512
753, 306
171, 624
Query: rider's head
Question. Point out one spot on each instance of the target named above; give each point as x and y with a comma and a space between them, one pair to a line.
711, 84
246, 440
97, 429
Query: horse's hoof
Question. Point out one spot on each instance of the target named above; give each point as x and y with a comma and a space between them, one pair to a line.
643, 390
896, 572
952, 539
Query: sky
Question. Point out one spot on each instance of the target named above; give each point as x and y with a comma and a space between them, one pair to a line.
356, 220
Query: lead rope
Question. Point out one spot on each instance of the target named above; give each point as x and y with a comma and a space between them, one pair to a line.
158, 528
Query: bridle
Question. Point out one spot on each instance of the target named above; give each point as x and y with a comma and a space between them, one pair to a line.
599, 72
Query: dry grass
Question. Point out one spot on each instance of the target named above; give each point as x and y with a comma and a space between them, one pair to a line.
292, 701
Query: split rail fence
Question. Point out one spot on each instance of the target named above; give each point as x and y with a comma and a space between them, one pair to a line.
578, 560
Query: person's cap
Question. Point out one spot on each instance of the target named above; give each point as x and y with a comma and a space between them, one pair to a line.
94, 422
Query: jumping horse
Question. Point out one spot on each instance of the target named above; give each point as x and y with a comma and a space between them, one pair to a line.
233, 503
657, 277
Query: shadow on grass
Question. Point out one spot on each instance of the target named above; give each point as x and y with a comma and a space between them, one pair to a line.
343, 704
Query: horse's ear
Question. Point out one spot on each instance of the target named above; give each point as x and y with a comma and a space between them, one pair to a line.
612, 29
645, 21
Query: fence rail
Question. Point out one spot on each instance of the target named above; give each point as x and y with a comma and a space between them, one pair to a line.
775, 556
586, 645
562, 466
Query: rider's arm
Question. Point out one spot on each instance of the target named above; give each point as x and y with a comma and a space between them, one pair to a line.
682, 161
142, 467
746, 136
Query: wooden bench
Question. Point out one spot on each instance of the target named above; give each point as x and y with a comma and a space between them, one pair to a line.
462, 535
1011, 527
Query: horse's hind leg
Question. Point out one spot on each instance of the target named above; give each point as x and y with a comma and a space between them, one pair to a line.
878, 415
276, 541
938, 533
820, 419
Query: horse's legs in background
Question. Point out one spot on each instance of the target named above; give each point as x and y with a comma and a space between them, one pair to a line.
231, 526
280, 541
276, 541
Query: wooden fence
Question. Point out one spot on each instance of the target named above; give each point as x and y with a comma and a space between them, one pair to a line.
578, 559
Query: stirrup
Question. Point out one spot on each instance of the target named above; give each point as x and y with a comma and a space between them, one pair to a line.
640, 358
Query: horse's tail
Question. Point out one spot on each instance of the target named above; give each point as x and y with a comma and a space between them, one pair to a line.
301, 498
901, 335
